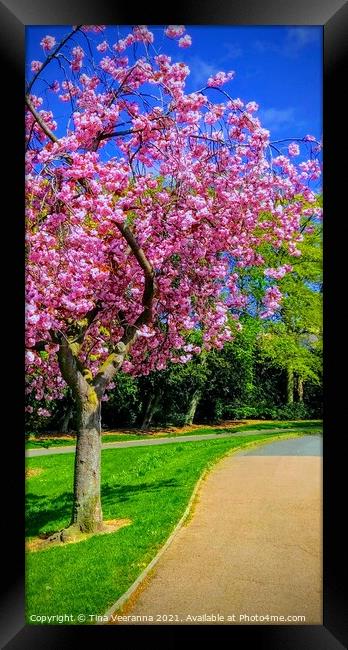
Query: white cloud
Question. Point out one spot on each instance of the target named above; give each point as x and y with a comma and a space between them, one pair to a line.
200, 70
233, 51
265, 46
295, 40
275, 119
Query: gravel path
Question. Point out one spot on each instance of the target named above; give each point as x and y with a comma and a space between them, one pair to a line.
252, 547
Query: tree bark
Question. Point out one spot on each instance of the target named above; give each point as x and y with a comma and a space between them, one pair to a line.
193, 406
299, 389
289, 385
87, 514
150, 411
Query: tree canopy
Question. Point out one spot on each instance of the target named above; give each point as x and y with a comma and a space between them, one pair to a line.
145, 207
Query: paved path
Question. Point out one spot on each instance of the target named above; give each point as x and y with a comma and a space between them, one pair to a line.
68, 449
307, 446
252, 547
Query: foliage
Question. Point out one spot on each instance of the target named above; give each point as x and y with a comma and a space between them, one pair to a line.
124, 402
293, 342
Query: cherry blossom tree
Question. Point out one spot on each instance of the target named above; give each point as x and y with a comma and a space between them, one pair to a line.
143, 204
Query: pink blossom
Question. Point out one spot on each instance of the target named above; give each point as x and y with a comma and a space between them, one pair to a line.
48, 42
252, 107
30, 356
142, 33
185, 41
173, 31
36, 66
220, 78
43, 412
102, 47
279, 272
293, 149
78, 54
93, 28
146, 332
271, 301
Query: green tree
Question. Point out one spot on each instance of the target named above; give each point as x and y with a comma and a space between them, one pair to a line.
293, 341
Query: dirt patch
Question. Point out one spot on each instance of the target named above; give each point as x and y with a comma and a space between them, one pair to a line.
44, 436
157, 432
43, 541
114, 524
153, 432
31, 472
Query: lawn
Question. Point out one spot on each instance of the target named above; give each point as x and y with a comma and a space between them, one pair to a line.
306, 426
151, 486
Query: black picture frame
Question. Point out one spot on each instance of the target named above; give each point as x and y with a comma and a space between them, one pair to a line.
333, 16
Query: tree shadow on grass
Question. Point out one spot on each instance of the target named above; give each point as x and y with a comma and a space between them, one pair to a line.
42, 512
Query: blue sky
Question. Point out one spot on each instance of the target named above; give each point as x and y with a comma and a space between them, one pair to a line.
278, 67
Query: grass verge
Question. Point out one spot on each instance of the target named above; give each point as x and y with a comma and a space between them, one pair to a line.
311, 426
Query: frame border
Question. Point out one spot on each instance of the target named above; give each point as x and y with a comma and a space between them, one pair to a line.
15, 15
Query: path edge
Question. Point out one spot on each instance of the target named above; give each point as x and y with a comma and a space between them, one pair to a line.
122, 600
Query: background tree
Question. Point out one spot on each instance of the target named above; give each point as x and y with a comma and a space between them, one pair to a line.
293, 341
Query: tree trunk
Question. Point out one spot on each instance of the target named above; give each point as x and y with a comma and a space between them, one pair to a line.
289, 385
64, 427
193, 406
299, 389
87, 512
151, 409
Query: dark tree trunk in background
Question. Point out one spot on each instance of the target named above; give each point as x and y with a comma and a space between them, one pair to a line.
299, 389
66, 419
151, 408
289, 385
191, 412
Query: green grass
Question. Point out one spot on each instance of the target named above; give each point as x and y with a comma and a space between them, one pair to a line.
283, 424
151, 486
59, 442
47, 443
312, 426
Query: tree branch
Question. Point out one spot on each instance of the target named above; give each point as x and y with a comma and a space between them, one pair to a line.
71, 369
114, 362
149, 286
116, 134
40, 121
52, 56
109, 368
79, 328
